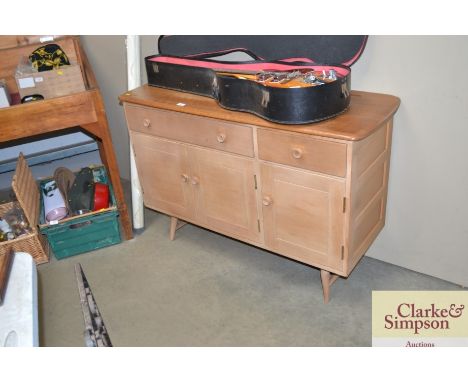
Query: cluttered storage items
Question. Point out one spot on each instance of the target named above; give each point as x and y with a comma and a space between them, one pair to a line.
78, 211
47, 86
67, 214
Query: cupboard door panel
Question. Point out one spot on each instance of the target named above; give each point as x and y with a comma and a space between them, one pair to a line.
225, 193
303, 215
163, 169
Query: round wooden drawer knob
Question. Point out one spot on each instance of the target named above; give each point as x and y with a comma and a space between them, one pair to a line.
267, 201
297, 153
185, 178
195, 180
146, 122
221, 138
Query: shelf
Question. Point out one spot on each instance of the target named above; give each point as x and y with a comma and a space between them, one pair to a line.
84, 109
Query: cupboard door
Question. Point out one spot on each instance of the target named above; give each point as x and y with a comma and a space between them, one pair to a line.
164, 173
225, 193
303, 215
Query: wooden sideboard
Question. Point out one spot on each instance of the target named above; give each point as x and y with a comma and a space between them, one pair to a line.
315, 193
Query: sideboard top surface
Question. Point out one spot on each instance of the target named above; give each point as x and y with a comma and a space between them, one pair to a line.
366, 113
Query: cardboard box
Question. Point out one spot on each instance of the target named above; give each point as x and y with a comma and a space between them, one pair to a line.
53, 83
4, 95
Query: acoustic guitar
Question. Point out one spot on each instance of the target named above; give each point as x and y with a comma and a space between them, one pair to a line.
287, 79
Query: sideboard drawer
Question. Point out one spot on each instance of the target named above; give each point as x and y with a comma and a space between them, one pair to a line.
202, 131
302, 151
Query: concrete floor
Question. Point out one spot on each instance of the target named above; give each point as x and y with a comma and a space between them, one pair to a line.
204, 289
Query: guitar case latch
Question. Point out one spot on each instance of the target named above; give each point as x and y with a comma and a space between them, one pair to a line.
215, 88
344, 90
265, 98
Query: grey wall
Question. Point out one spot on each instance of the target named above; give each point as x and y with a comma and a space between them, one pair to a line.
108, 57
427, 213
427, 224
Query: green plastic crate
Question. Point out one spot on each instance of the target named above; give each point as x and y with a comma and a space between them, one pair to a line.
80, 234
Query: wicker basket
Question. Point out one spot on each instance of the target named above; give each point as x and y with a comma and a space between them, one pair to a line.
27, 193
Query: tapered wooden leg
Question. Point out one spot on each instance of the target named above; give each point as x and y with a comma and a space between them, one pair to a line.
327, 280
175, 225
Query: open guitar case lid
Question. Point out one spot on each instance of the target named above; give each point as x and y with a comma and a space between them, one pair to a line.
194, 64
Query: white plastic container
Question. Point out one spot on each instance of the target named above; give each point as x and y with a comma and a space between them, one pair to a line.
54, 205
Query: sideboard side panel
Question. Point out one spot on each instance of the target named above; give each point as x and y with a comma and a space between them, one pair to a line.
369, 185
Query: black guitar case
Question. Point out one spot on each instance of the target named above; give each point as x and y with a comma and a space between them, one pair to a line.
195, 64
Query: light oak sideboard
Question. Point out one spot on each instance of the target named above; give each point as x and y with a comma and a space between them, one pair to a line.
315, 193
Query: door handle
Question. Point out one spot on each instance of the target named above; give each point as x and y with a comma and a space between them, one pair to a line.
221, 138
267, 201
297, 153
146, 122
